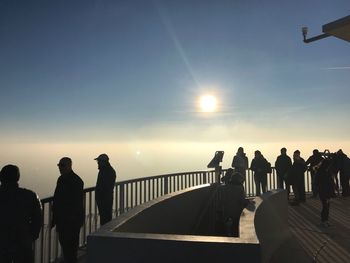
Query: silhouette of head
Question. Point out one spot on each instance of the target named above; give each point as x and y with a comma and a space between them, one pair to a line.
9, 174
65, 165
257, 153
233, 177
102, 160
283, 150
315, 152
240, 150
296, 154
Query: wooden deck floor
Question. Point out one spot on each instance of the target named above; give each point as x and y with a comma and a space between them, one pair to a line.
322, 244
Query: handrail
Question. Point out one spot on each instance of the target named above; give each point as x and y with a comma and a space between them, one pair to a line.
131, 193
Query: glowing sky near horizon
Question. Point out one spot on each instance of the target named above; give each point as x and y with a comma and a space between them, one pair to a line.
89, 75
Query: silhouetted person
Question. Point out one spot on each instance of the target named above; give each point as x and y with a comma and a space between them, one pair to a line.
228, 176
68, 209
283, 164
20, 219
312, 161
232, 200
324, 176
259, 166
297, 178
343, 165
104, 188
240, 162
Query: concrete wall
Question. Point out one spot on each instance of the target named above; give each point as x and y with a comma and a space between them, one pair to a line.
174, 214
272, 229
157, 248
146, 234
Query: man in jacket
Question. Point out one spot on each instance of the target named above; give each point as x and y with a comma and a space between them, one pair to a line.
313, 161
324, 175
104, 188
298, 178
283, 165
259, 166
20, 220
68, 209
343, 165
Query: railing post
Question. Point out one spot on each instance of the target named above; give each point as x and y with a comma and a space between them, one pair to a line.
166, 180
217, 174
84, 225
121, 199
50, 230
116, 200
90, 212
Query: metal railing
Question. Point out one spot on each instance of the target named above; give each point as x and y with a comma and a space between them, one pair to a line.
128, 194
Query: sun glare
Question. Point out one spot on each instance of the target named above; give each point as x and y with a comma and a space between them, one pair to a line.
207, 103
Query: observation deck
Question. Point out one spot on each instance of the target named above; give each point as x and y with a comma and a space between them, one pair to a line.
315, 244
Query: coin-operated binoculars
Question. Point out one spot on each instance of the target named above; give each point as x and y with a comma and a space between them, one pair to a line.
215, 163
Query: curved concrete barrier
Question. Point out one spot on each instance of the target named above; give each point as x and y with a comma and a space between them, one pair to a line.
272, 229
159, 231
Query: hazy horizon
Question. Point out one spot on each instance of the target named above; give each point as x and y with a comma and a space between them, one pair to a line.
39, 172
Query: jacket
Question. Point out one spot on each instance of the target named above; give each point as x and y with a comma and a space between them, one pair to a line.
283, 164
21, 215
68, 200
105, 183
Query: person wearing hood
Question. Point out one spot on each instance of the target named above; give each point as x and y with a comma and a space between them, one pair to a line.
104, 188
20, 220
240, 162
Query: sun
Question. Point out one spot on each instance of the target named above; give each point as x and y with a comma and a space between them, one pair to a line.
207, 103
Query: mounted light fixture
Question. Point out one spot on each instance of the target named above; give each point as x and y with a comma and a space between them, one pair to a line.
339, 28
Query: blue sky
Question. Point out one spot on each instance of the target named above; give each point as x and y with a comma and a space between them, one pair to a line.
130, 71
86, 65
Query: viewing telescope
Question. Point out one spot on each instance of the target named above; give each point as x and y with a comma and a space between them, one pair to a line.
215, 163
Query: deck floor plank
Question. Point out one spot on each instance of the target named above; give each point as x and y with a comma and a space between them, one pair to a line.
323, 244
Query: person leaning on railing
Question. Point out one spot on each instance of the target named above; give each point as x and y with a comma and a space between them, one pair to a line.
20, 220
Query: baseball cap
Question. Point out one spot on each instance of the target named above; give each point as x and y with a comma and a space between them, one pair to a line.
102, 157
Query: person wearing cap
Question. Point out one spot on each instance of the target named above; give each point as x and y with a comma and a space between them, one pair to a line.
20, 220
68, 209
104, 188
